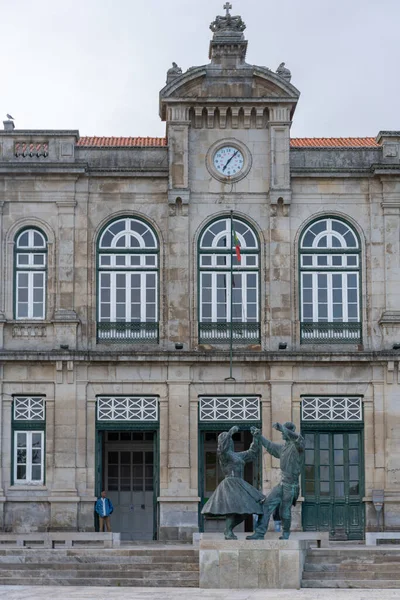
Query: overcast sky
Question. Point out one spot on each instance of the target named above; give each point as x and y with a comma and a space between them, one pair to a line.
98, 65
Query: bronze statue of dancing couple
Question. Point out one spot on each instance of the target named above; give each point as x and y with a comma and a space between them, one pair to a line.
236, 499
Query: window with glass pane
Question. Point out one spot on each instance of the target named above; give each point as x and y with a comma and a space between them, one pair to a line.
30, 276
28, 456
128, 282
229, 285
330, 283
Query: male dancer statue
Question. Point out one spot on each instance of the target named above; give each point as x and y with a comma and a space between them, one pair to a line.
286, 492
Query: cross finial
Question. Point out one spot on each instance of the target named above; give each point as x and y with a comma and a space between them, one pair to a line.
227, 6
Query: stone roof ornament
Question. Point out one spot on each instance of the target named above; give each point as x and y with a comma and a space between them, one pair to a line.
228, 45
228, 7
173, 72
283, 72
228, 23
9, 124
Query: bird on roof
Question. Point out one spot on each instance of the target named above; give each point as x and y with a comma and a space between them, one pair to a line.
10, 117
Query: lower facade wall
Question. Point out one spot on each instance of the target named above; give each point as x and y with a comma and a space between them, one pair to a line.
66, 500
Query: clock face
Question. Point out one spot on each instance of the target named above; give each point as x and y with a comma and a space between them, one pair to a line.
228, 161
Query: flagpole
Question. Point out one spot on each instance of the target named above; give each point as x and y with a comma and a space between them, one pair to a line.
231, 378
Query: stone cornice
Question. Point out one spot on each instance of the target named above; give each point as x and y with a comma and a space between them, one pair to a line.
322, 149
214, 356
20, 168
124, 148
330, 172
47, 132
385, 169
129, 172
217, 101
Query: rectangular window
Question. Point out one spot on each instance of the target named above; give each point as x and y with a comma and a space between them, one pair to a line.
28, 456
216, 297
30, 295
128, 297
330, 297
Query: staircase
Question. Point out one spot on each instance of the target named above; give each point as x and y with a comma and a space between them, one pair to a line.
145, 567
352, 567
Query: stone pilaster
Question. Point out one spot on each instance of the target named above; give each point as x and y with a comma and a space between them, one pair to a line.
65, 319
2, 497
279, 127
178, 155
178, 501
279, 294
281, 402
390, 319
64, 498
178, 292
3, 290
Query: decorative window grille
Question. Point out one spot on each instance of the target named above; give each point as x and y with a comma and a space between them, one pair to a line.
333, 408
127, 408
230, 408
28, 408
330, 283
30, 274
229, 288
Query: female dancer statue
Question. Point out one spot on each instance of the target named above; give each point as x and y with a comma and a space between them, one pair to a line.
234, 497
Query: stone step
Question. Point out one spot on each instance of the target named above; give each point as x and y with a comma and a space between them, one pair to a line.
111, 567
395, 575
61, 556
352, 551
352, 562
99, 575
100, 568
345, 567
350, 583
172, 562
99, 551
356, 558
114, 582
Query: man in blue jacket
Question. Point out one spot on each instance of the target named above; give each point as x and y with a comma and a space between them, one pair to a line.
104, 508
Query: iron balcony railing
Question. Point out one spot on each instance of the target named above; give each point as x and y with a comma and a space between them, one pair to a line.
330, 333
220, 333
127, 332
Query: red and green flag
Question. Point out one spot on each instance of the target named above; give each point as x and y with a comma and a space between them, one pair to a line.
236, 243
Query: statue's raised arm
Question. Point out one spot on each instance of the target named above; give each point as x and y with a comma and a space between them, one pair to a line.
286, 492
290, 434
234, 497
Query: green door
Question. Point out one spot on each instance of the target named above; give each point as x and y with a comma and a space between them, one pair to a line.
333, 483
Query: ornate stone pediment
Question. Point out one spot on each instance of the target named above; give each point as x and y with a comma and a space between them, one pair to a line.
207, 83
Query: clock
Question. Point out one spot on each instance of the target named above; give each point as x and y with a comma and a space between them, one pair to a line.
228, 160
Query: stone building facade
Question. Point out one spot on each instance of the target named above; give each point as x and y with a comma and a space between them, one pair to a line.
123, 300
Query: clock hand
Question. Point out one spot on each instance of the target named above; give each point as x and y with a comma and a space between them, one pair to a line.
233, 156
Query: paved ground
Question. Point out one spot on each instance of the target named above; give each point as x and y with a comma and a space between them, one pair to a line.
8, 592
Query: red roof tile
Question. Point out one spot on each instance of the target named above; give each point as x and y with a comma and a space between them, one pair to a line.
127, 142
104, 142
367, 142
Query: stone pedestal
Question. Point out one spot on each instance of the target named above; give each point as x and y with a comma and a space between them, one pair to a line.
178, 519
262, 564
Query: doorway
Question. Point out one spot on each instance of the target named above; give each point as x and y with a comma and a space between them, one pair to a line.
333, 483
129, 475
210, 474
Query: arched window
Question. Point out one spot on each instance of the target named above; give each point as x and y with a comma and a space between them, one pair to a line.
330, 283
128, 282
30, 274
229, 280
